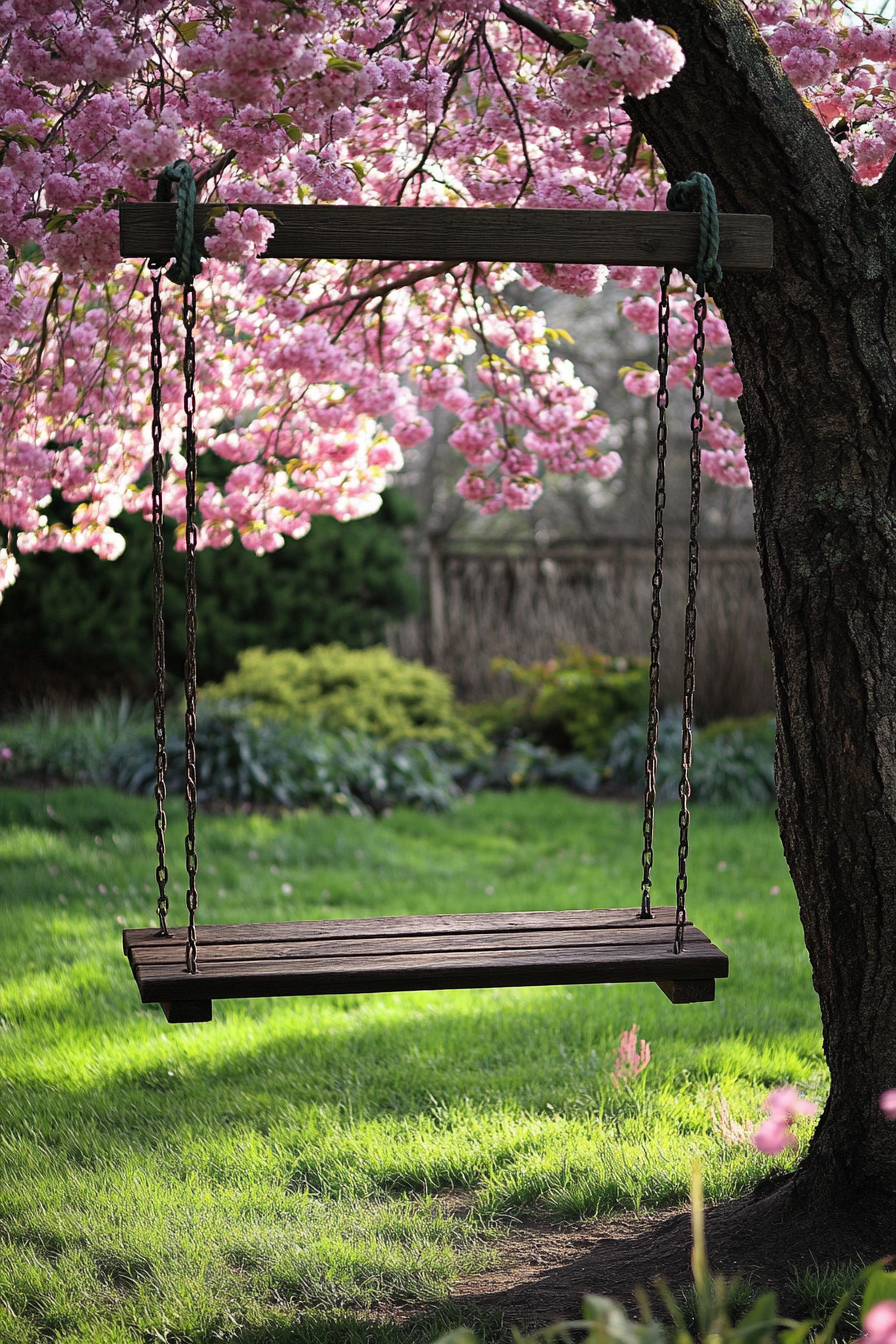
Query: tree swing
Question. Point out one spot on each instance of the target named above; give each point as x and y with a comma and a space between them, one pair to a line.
186, 969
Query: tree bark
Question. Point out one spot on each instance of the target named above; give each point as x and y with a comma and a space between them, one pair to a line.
814, 344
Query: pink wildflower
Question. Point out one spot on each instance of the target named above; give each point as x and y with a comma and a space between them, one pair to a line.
880, 1322
631, 1058
784, 1106
888, 1103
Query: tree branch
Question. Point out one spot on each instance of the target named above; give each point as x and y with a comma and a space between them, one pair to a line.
215, 168
361, 296
885, 189
733, 113
533, 25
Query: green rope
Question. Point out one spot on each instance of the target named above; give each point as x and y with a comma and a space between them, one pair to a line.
697, 193
187, 257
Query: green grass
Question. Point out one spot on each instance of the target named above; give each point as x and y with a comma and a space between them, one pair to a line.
275, 1175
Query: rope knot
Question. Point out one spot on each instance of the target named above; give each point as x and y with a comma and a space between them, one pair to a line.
187, 256
697, 194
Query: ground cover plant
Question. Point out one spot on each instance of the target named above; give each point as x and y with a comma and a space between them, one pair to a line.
247, 755
279, 1173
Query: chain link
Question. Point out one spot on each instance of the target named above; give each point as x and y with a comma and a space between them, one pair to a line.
656, 608
690, 625
158, 597
190, 538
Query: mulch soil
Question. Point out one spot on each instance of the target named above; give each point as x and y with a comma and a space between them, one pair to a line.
547, 1268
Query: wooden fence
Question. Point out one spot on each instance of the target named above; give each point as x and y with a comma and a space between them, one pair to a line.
489, 601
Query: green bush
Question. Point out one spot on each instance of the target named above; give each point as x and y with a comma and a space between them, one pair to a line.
367, 691
733, 760
572, 703
75, 625
76, 746
291, 765
238, 761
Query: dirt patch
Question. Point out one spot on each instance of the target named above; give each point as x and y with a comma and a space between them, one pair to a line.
547, 1268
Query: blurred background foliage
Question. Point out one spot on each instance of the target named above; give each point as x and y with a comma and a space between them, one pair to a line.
571, 703
367, 691
75, 626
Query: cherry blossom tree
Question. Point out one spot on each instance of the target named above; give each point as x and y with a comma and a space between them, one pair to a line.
314, 377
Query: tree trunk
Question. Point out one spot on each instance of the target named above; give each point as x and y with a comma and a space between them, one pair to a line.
814, 344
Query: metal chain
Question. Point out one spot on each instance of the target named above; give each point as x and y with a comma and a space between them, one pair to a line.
656, 608
190, 538
690, 625
158, 597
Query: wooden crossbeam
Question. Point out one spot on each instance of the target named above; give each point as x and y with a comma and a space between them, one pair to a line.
437, 233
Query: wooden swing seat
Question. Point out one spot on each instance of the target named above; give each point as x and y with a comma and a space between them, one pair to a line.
367, 956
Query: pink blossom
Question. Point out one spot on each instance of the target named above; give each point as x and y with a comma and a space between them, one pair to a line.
641, 382
300, 374
603, 468
773, 1136
631, 1059
240, 236
476, 487
520, 492
785, 1106
880, 1323
9, 571
888, 1103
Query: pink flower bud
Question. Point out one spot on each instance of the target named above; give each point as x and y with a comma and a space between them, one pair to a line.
880, 1323
888, 1103
772, 1137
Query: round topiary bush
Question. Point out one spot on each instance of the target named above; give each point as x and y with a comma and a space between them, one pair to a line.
368, 691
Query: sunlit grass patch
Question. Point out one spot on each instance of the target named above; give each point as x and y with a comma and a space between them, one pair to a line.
280, 1169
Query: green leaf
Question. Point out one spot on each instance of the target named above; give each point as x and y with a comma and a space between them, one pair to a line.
31, 252
881, 1287
575, 40
346, 66
187, 31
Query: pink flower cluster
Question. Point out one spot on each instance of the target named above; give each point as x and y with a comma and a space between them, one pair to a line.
632, 1058
880, 1323
785, 1106
845, 68
314, 376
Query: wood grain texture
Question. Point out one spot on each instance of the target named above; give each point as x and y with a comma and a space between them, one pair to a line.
391, 926
436, 233
218, 954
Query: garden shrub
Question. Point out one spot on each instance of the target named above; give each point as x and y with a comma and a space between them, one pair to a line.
367, 691
292, 765
72, 745
572, 703
78, 625
239, 761
733, 760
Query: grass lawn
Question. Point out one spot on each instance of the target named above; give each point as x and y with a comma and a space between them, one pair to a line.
275, 1175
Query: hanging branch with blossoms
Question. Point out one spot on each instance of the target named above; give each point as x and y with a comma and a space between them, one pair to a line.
314, 376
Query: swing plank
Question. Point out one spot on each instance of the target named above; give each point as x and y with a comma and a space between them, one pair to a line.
439, 233
463, 951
